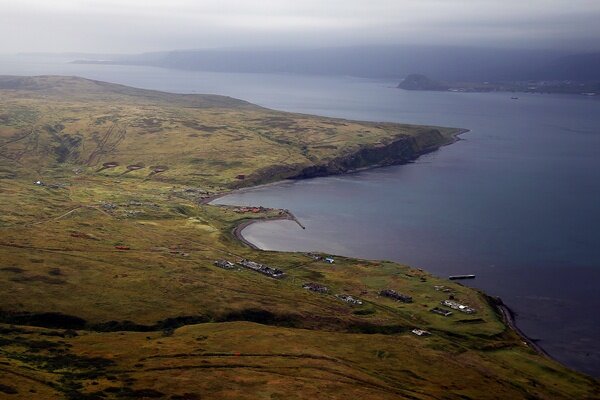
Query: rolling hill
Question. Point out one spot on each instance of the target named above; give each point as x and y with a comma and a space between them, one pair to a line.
109, 287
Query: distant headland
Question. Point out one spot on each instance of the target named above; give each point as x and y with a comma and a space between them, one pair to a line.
422, 82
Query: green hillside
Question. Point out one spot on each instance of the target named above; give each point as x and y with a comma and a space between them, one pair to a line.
108, 287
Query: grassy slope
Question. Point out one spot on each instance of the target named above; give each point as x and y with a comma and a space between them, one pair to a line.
266, 338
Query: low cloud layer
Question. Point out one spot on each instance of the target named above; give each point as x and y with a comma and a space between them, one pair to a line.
135, 26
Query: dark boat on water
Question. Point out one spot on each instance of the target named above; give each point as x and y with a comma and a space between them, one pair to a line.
455, 277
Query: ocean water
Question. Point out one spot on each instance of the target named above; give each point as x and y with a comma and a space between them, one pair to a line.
516, 201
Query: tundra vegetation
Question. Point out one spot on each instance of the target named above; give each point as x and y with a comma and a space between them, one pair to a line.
109, 287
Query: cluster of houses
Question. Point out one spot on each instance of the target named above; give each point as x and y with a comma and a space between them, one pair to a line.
457, 306
392, 294
315, 287
453, 305
254, 266
263, 269
349, 299
318, 288
277, 273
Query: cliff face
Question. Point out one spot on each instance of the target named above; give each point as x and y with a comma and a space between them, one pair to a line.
399, 150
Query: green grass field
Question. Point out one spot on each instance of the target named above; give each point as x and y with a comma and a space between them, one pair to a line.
108, 288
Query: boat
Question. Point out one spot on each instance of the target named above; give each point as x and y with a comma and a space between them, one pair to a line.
455, 277
514, 98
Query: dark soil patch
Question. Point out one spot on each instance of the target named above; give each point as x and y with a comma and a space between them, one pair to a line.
45, 320
262, 317
15, 270
200, 127
39, 278
374, 329
8, 389
185, 396
128, 393
471, 321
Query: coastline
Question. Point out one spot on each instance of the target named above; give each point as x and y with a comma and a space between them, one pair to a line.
452, 138
504, 311
508, 316
237, 231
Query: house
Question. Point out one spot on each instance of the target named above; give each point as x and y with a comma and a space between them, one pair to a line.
441, 311
457, 306
349, 299
392, 294
263, 269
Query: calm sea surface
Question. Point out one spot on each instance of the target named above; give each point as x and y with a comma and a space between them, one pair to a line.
516, 202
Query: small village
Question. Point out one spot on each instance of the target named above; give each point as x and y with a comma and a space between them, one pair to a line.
252, 265
263, 269
277, 274
349, 299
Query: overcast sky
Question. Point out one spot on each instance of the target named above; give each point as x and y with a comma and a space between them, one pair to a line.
131, 26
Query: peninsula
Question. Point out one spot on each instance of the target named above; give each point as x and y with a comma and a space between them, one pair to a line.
424, 83
118, 279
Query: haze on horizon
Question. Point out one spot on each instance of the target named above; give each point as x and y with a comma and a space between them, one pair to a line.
134, 26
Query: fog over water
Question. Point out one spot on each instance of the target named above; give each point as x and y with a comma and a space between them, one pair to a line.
132, 26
